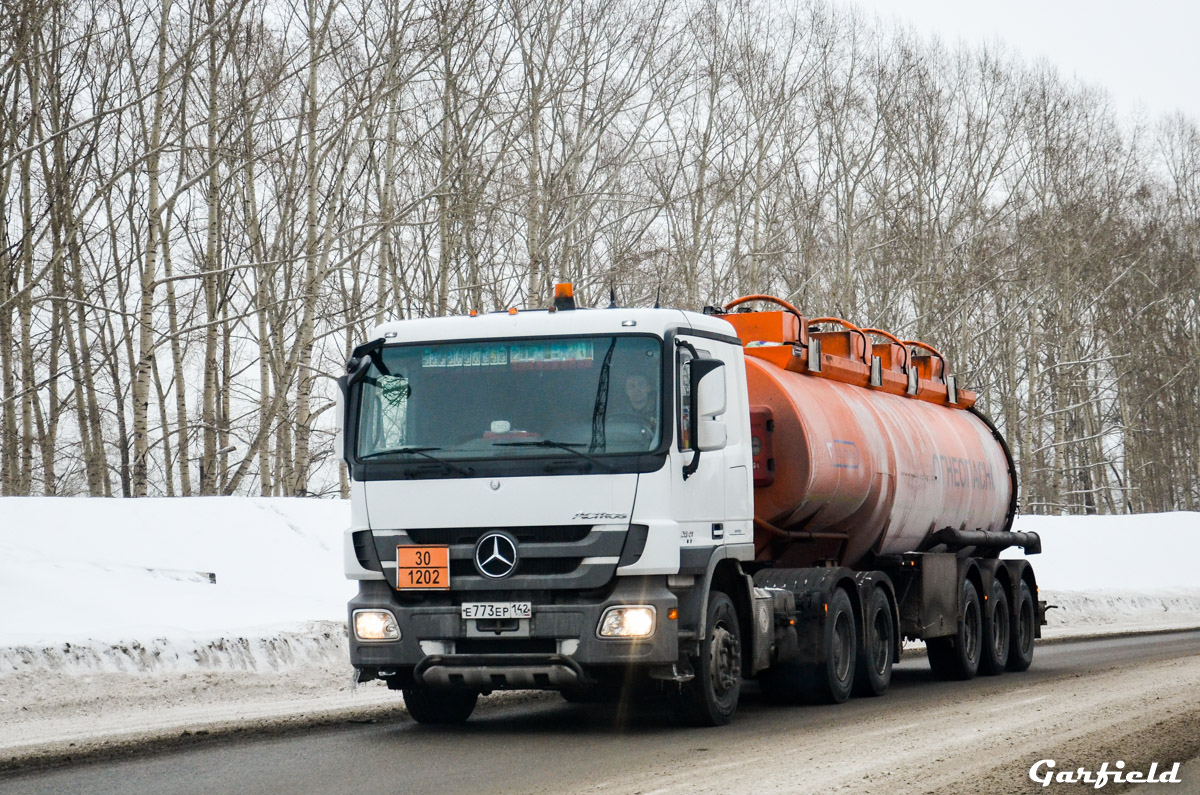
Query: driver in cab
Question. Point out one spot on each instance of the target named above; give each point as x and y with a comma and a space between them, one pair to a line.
641, 404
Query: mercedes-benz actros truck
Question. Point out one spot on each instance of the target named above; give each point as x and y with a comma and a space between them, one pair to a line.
593, 500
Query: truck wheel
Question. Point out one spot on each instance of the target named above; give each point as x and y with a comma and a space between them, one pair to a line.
1024, 628
439, 707
997, 631
711, 698
957, 656
874, 671
835, 679
827, 683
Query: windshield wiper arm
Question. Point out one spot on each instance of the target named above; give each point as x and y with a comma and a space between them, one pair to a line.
568, 446
424, 453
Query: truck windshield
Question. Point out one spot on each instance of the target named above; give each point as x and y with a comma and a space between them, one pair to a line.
513, 398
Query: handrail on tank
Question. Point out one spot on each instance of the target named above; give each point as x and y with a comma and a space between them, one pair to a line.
931, 349
758, 297
847, 324
894, 339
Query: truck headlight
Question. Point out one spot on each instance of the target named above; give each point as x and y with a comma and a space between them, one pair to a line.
375, 625
633, 621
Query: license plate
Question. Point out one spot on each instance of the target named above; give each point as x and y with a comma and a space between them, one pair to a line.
497, 610
422, 568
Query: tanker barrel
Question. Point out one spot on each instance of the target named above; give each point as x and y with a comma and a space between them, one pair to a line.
988, 539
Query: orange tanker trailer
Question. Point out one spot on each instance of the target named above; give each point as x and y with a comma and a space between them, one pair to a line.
867, 456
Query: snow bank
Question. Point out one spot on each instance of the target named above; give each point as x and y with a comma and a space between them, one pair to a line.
170, 584
312, 644
239, 583
1141, 553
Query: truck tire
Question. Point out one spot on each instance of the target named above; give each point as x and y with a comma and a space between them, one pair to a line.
439, 707
1024, 629
997, 631
711, 698
835, 679
875, 658
957, 656
830, 682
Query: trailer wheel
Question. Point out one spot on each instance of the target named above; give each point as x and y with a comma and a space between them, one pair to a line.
1024, 629
712, 697
439, 707
997, 631
957, 656
835, 681
874, 670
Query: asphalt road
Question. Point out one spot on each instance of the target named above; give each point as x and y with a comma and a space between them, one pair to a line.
544, 744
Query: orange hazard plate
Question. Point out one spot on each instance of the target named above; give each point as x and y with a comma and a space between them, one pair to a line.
423, 568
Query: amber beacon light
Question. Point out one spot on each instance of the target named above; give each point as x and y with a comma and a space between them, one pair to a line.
564, 296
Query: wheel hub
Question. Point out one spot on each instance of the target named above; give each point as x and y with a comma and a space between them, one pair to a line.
726, 659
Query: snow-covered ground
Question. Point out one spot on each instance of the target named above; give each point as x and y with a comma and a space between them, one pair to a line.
128, 620
1117, 573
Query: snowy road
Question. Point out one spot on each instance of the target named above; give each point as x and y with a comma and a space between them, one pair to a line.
1136, 700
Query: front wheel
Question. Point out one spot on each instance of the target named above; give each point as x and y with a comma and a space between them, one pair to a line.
711, 698
439, 707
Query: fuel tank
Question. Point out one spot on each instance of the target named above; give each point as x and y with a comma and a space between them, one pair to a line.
862, 448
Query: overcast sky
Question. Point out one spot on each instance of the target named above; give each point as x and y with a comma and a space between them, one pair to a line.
1146, 53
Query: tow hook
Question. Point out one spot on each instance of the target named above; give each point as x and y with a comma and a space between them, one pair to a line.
680, 672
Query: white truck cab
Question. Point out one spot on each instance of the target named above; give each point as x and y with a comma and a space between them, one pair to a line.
544, 499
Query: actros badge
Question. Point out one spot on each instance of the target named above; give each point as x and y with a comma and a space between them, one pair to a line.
496, 555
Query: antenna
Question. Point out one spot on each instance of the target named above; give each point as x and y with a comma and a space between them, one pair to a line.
657, 294
612, 296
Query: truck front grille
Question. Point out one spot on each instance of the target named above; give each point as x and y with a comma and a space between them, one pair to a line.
545, 534
526, 566
550, 556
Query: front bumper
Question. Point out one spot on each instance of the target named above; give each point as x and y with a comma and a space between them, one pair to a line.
556, 648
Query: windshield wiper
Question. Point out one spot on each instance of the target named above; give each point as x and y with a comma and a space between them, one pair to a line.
568, 446
424, 453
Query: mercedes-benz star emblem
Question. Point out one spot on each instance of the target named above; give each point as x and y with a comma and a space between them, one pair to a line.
496, 555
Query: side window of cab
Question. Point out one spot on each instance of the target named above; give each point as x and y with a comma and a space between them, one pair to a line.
684, 395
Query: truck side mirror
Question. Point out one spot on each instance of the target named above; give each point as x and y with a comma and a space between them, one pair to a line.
356, 370
339, 414
708, 385
707, 388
